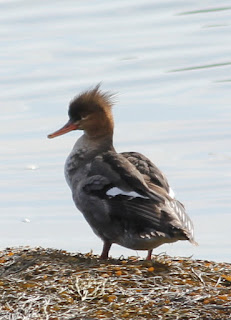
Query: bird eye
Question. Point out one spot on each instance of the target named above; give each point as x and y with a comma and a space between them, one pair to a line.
84, 118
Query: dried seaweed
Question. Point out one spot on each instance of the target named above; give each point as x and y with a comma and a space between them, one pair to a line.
53, 284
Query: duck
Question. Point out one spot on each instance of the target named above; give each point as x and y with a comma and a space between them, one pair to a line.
124, 197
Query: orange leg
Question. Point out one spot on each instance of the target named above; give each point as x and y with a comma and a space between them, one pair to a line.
106, 248
149, 256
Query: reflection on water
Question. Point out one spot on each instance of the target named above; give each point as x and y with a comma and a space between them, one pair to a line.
169, 63
206, 10
203, 67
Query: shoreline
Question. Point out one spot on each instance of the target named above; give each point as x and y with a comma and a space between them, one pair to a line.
38, 283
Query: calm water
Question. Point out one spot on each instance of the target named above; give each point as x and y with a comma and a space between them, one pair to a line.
170, 63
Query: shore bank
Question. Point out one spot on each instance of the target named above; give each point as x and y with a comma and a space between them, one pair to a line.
38, 283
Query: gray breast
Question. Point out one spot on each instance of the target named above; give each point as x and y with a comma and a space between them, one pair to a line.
73, 163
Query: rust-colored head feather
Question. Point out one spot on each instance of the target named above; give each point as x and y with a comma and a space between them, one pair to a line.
90, 111
90, 101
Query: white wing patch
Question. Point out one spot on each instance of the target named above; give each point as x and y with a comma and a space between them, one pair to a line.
118, 192
171, 193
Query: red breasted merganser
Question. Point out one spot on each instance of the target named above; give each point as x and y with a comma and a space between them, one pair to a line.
123, 196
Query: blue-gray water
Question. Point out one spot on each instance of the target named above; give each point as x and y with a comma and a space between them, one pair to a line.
170, 63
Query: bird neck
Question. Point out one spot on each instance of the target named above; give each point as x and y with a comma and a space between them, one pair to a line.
100, 127
91, 146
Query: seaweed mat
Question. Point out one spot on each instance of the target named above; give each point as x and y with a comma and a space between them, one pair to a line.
37, 283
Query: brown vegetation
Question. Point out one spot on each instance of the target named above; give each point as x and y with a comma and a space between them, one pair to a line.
52, 284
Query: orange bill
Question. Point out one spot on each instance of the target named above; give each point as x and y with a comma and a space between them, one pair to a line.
69, 126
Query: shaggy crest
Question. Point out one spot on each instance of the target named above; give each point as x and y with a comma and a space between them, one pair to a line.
90, 101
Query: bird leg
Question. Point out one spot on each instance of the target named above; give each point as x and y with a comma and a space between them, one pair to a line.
106, 248
149, 256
